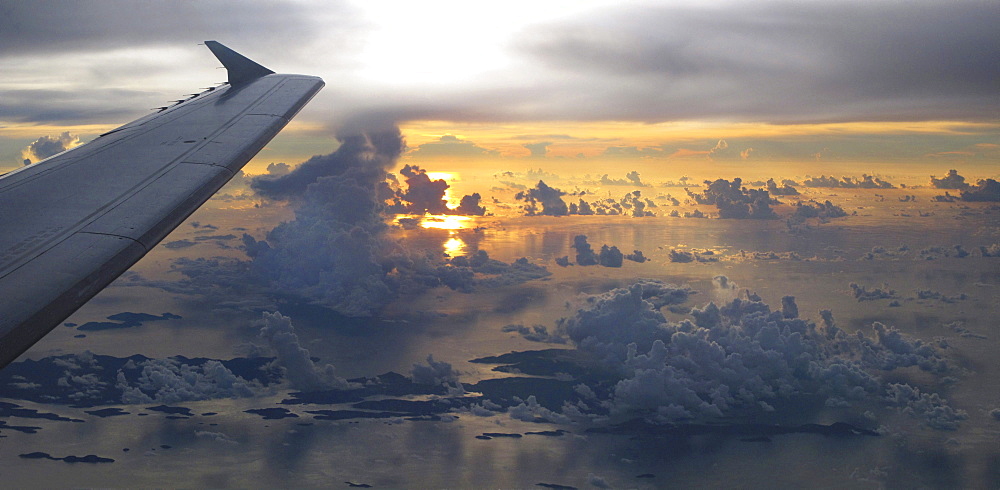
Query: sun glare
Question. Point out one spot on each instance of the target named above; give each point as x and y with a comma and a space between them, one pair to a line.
446, 222
450, 178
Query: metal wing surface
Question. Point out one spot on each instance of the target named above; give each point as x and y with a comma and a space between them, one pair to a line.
71, 224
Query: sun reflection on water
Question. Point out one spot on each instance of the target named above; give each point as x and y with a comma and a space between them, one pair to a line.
454, 247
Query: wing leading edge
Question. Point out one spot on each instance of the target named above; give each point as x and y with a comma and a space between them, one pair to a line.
71, 224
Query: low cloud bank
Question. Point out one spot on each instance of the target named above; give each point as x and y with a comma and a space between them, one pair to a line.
986, 190
544, 200
865, 182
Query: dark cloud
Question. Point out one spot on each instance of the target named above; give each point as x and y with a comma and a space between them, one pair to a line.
48, 146
584, 253
278, 169
548, 197
990, 251
363, 156
767, 61
987, 190
935, 411
48, 26
423, 194
172, 381
337, 253
609, 256
69, 106
786, 188
819, 210
435, 373
468, 273
735, 201
469, 205
862, 293
950, 181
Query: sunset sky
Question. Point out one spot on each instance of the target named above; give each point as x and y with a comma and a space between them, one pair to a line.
585, 312
655, 83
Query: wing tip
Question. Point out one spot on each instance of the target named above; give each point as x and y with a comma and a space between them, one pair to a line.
241, 69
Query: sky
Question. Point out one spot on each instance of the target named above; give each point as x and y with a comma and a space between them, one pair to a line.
776, 81
577, 308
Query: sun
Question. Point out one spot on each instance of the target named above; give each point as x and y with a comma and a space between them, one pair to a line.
446, 222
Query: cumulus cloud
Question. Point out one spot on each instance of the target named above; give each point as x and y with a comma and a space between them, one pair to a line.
548, 197
170, 381
950, 181
987, 190
930, 407
612, 320
300, 370
335, 252
529, 410
468, 272
584, 253
436, 373
278, 169
735, 201
743, 358
363, 156
469, 205
631, 178
786, 188
862, 293
823, 211
631, 204
422, 194
47, 146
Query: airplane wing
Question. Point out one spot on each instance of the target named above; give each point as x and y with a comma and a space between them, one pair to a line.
71, 224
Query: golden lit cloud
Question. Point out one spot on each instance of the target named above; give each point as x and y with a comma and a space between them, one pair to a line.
570, 138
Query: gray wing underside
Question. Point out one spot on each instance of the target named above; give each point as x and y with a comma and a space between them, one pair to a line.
71, 224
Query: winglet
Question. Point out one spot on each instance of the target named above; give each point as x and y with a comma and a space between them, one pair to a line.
241, 69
